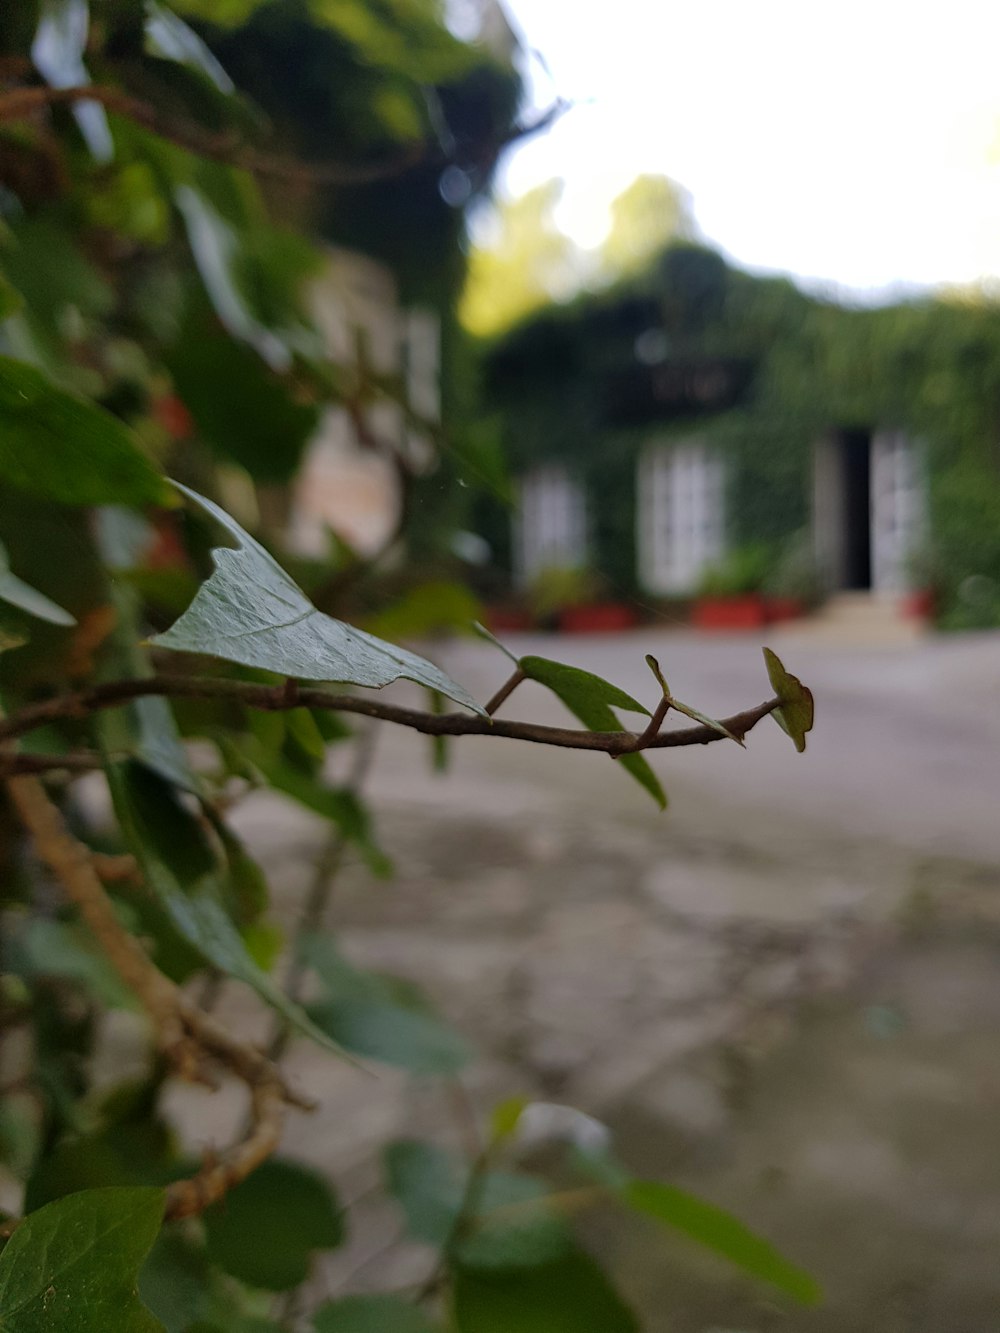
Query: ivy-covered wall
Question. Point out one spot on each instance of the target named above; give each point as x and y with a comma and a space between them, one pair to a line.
761, 370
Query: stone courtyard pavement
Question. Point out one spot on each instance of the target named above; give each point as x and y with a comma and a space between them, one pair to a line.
783, 993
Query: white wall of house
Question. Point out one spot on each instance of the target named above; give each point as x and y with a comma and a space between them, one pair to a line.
550, 523
680, 515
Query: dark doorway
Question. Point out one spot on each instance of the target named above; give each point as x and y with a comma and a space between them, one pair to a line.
855, 463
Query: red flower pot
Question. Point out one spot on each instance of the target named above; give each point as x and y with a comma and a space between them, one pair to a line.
782, 608
501, 618
721, 613
600, 618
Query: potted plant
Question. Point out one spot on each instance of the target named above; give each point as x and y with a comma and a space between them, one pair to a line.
792, 585
575, 601
729, 595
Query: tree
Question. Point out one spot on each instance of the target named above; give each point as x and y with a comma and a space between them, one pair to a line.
135, 615
645, 218
527, 265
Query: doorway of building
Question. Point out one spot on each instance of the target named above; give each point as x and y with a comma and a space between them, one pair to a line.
869, 509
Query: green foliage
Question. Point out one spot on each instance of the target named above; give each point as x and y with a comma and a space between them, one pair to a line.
481, 1220
719, 1231
73, 1265
181, 869
15, 592
252, 613
795, 716
374, 1016
371, 1314
62, 448
571, 1295
591, 699
155, 318
244, 1241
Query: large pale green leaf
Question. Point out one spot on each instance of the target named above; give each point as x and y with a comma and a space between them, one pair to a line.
511, 1223
180, 868
72, 1266
250, 611
723, 1233
372, 1314
591, 699
267, 1229
795, 716
62, 448
570, 1295
369, 1015
15, 592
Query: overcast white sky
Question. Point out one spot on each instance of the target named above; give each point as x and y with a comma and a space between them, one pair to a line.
857, 143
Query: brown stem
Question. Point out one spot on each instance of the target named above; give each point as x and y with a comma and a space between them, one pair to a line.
265, 697
655, 723
504, 692
11, 765
183, 1031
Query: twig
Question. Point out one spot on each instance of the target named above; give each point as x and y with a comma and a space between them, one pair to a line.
504, 692
114, 693
184, 1032
327, 865
13, 764
22, 103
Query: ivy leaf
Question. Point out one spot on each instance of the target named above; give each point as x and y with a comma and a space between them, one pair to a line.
73, 1265
704, 719
511, 1226
62, 448
571, 1295
372, 1314
250, 611
591, 699
365, 1013
268, 1227
179, 867
719, 1231
17, 593
795, 716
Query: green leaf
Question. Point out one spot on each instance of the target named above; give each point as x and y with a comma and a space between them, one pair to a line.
365, 1013
73, 1265
704, 719
62, 448
268, 1227
257, 422
509, 1225
17, 593
723, 1233
175, 1280
251, 612
485, 634
571, 1295
591, 699
180, 868
372, 1314
47, 948
405, 1038
795, 716
170, 38
431, 608
340, 805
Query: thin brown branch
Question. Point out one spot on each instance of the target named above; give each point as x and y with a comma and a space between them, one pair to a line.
504, 692
22, 103
13, 764
218, 1176
265, 697
71, 864
655, 723
186, 1034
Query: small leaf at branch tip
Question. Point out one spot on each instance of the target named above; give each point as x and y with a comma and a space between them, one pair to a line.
795, 716
484, 633
654, 666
